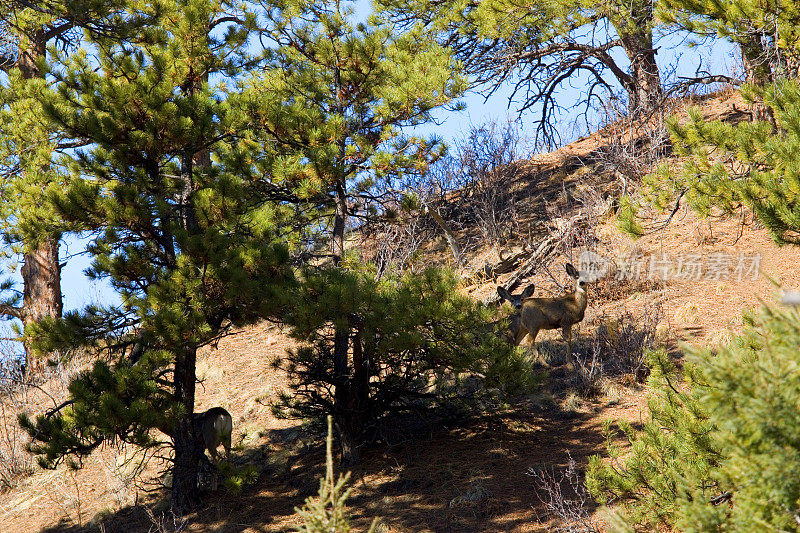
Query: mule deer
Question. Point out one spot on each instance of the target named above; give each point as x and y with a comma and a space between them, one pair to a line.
214, 427
534, 314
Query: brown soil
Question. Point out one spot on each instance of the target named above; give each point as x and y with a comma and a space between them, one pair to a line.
472, 476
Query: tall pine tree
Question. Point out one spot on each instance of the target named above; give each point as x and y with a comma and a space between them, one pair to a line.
753, 163
331, 107
765, 32
538, 47
188, 244
29, 145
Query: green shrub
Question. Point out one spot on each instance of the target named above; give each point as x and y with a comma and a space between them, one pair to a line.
327, 513
721, 450
374, 350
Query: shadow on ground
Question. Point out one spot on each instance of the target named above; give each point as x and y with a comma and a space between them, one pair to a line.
462, 479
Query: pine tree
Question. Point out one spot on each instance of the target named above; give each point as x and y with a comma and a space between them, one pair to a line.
188, 243
539, 46
726, 166
671, 459
766, 34
410, 340
331, 104
328, 512
28, 143
721, 451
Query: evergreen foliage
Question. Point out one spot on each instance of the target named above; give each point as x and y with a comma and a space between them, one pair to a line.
30, 145
328, 512
411, 338
765, 32
196, 186
189, 245
720, 451
752, 163
329, 110
728, 165
330, 105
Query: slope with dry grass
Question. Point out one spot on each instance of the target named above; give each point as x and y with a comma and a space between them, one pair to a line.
474, 475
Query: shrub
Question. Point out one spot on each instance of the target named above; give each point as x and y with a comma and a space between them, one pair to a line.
328, 513
721, 451
373, 350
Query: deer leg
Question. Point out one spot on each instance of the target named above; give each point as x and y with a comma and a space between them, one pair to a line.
534, 349
520, 336
566, 332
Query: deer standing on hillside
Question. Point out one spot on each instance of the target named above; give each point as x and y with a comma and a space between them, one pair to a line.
534, 314
214, 427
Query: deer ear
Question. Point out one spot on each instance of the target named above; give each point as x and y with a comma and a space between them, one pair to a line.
571, 270
503, 293
528, 291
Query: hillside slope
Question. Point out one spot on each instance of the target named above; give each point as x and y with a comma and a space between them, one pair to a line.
469, 477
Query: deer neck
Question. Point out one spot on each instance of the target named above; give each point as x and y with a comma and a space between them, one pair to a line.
579, 295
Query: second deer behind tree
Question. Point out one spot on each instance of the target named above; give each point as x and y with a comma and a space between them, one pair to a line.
535, 314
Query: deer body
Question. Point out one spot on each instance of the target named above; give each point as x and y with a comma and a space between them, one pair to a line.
536, 314
214, 427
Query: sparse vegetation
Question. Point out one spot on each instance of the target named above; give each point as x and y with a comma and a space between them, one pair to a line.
232, 165
565, 497
620, 344
15, 462
473, 186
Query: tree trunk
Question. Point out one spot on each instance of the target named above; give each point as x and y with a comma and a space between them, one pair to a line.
41, 295
352, 418
758, 72
644, 88
187, 446
188, 450
339, 222
340, 185
647, 91
41, 272
351, 447
636, 33
341, 393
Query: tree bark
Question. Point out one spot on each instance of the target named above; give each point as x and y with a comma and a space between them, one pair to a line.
341, 394
352, 419
646, 91
188, 450
188, 447
41, 295
339, 222
644, 87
